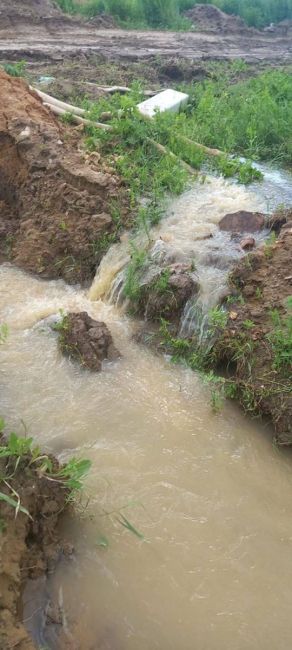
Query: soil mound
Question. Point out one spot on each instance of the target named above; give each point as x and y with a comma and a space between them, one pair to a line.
56, 201
256, 344
20, 15
87, 340
207, 18
31, 8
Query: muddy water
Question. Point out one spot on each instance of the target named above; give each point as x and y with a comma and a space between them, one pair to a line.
209, 493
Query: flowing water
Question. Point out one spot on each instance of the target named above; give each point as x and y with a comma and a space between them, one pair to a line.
209, 493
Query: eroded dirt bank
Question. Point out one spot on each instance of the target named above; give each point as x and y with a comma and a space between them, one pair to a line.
29, 546
56, 201
255, 347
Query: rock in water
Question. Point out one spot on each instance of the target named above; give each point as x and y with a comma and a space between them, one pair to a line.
87, 340
242, 221
247, 243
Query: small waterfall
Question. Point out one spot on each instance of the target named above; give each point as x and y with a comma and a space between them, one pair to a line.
109, 272
188, 234
114, 294
194, 320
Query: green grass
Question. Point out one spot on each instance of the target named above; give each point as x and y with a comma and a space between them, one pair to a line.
252, 118
15, 69
280, 338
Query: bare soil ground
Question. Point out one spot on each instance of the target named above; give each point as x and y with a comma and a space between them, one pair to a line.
33, 30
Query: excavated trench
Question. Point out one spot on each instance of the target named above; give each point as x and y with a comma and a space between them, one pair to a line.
184, 535
205, 554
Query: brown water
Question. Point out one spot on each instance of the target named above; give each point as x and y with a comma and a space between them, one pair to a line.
210, 493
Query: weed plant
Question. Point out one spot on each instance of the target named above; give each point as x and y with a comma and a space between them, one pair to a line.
15, 69
280, 338
17, 452
252, 118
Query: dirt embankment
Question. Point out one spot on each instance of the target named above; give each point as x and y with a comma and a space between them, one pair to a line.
56, 201
255, 347
29, 547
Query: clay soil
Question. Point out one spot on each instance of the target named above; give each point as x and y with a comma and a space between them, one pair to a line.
29, 548
263, 280
56, 201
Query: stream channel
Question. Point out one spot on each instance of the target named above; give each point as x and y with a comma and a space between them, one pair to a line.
209, 493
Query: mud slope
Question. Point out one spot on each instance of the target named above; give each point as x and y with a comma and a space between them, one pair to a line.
33, 29
252, 343
55, 200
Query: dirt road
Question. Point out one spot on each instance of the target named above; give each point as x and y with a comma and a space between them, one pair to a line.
39, 31
54, 39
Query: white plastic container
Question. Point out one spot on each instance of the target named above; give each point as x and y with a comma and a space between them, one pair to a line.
167, 100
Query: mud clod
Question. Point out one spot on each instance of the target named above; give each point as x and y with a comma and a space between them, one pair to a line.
86, 340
